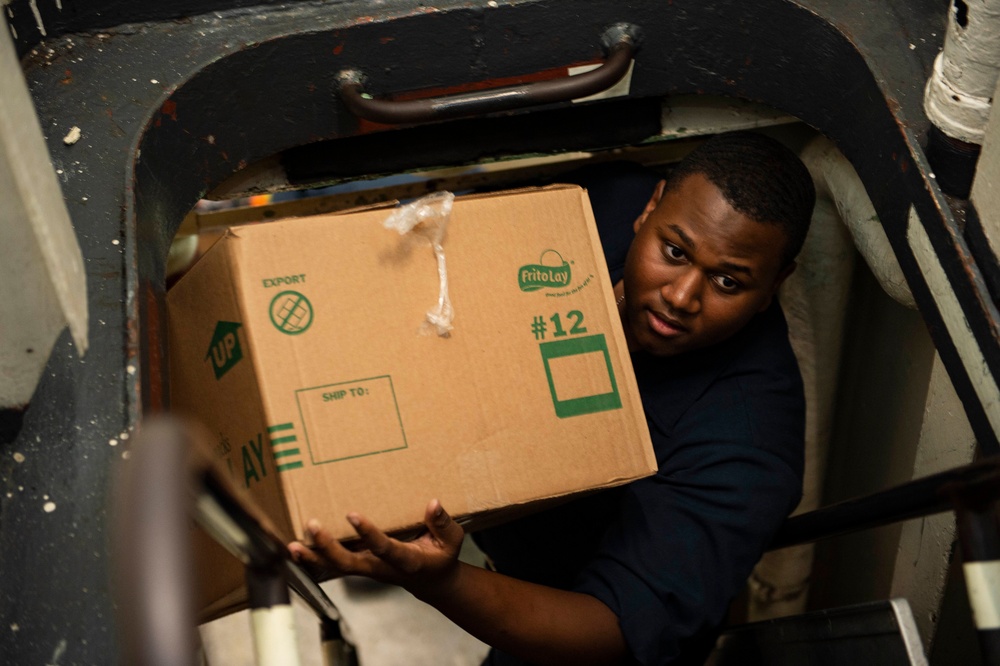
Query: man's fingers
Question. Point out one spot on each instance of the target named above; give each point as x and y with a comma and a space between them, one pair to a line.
302, 555
312, 562
328, 551
322, 540
442, 527
375, 540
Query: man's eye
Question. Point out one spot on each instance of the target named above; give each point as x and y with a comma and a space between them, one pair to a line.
674, 252
726, 283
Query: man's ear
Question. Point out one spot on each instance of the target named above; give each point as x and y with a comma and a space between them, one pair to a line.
650, 205
782, 276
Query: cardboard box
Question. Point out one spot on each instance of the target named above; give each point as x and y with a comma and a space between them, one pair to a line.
299, 344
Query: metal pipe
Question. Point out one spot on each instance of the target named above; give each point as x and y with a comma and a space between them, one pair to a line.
958, 96
165, 481
621, 44
921, 497
959, 93
836, 180
271, 618
155, 586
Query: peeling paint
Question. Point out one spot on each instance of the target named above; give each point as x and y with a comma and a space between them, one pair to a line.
958, 95
58, 653
169, 108
38, 17
72, 136
10, 14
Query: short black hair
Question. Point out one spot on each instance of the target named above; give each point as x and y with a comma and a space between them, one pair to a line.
760, 178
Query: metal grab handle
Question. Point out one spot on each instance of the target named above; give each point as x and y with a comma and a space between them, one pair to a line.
621, 43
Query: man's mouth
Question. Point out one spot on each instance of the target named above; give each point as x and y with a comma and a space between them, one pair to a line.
664, 326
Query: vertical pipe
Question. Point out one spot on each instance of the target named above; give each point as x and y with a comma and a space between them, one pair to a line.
959, 93
154, 584
271, 617
815, 300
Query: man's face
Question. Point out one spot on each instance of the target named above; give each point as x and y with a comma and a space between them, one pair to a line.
698, 270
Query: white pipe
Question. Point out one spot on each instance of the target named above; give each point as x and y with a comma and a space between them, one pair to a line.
959, 92
815, 300
274, 636
837, 180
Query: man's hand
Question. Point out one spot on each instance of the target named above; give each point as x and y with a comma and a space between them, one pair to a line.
536, 623
429, 560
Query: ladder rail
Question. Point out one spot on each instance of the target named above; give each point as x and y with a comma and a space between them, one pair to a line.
167, 480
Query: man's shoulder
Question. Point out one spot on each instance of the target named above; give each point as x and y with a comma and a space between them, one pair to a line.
747, 392
758, 356
763, 355
759, 395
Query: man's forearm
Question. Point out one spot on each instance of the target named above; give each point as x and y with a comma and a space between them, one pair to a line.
537, 623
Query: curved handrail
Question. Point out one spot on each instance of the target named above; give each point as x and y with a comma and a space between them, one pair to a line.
508, 98
154, 588
167, 480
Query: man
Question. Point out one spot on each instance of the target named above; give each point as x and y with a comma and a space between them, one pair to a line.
644, 573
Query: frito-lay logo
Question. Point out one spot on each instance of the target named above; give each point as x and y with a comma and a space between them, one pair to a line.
550, 271
224, 350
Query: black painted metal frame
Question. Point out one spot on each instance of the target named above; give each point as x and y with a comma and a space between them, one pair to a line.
169, 109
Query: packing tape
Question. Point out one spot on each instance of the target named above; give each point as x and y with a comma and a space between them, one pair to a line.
429, 216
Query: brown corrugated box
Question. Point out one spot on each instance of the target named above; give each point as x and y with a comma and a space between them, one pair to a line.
300, 344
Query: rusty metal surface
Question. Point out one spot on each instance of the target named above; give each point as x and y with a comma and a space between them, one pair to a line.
169, 109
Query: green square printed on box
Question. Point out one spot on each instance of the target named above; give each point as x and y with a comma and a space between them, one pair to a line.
588, 404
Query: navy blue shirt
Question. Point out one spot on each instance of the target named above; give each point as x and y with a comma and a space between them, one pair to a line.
668, 553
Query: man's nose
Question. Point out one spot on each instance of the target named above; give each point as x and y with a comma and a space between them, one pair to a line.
683, 293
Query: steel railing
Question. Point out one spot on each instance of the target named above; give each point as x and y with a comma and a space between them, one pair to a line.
169, 478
